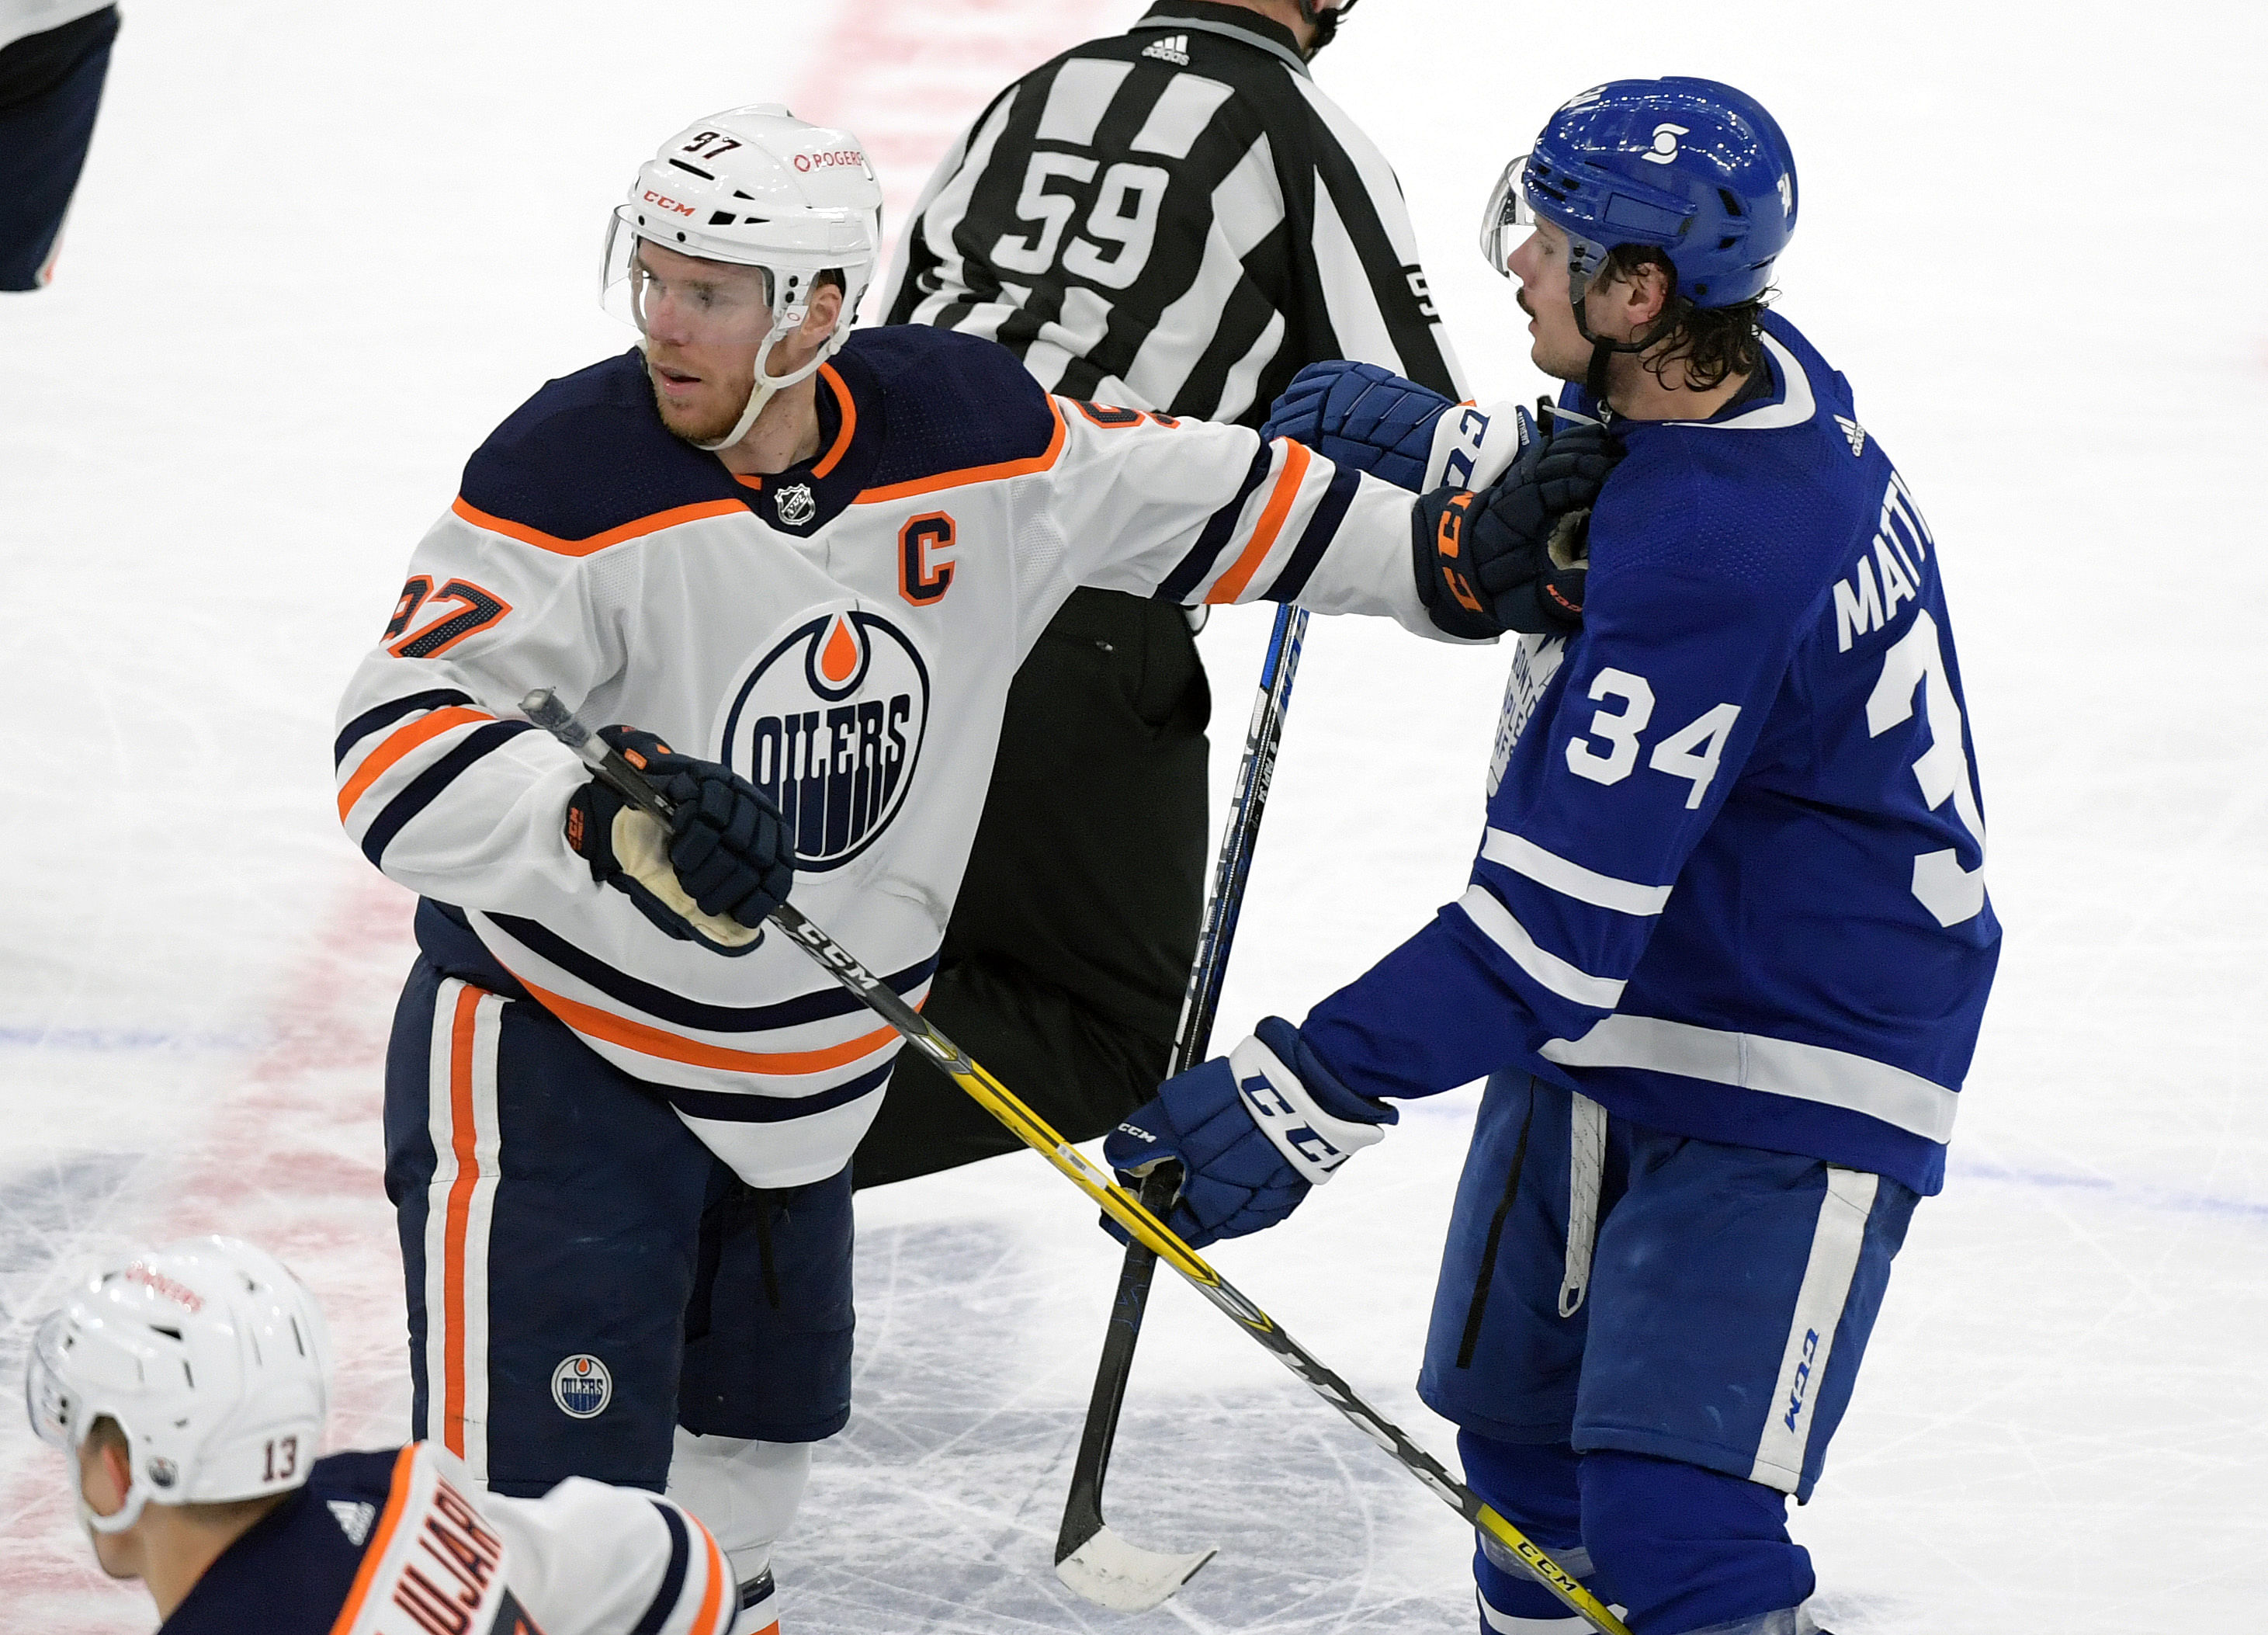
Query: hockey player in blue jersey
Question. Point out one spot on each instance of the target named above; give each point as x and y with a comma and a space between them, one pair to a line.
1726, 945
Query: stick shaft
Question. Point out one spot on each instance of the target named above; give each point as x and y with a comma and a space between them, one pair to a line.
1125, 1208
1121, 1205
1082, 1516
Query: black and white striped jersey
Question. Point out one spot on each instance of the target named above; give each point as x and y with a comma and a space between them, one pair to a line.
1175, 218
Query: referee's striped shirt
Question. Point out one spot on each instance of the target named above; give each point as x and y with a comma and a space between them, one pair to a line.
1174, 218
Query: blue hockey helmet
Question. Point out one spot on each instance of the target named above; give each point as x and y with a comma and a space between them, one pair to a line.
1692, 167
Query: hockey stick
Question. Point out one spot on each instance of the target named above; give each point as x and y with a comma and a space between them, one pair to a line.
543, 708
1097, 1562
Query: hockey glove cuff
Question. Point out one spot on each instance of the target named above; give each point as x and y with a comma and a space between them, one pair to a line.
1312, 1119
1254, 1130
725, 863
1363, 417
1514, 556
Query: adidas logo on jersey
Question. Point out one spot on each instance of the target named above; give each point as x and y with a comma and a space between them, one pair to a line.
1854, 433
1172, 48
353, 1520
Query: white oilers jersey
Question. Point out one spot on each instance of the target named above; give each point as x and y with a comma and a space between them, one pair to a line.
406, 1543
843, 634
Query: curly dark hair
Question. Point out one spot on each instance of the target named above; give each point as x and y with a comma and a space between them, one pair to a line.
1714, 343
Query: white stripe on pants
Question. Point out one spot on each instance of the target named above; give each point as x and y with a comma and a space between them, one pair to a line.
1835, 1244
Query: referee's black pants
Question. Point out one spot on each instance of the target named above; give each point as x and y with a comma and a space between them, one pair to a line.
1070, 945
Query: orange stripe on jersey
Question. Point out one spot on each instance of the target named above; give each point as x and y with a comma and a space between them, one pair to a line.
650, 1041
401, 743
396, 1499
850, 422
975, 473
704, 1622
596, 542
1231, 584
461, 1140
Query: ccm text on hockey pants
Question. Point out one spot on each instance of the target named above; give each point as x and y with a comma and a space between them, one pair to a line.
1723, 1315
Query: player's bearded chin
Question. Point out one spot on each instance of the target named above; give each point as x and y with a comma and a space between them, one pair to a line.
715, 410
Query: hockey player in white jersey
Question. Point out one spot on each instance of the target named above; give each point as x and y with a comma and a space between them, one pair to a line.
189, 1386
805, 568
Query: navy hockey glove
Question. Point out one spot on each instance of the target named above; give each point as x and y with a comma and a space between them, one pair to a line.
1514, 556
1252, 1130
1361, 415
725, 862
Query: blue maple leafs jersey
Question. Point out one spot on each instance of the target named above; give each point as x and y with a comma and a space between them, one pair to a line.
1732, 882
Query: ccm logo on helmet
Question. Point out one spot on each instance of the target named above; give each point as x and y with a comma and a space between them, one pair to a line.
659, 203
832, 159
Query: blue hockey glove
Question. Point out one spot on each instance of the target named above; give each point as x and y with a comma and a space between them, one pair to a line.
1361, 415
1254, 1130
1514, 556
725, 862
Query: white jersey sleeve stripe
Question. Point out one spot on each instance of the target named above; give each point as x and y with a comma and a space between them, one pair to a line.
1810, 1073
398, 746
1181, 586
1524, 857
379, 717
1260, 539
436, 752
1496, 924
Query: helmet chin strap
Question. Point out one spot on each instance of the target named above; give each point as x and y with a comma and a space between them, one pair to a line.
1603, 350
125, 1516
766, 384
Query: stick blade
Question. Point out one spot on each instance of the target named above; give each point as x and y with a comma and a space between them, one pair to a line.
1126, 1578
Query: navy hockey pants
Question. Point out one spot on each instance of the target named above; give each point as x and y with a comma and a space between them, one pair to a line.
582, 1272
1726, 1309
50, 88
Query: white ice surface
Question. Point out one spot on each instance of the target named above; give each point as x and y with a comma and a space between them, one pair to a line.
319, 251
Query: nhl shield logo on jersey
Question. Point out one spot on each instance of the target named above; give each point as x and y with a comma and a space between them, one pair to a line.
794, 505
582, 1386
829, 723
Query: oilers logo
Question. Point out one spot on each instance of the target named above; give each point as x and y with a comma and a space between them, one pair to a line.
829, 723
582, 1386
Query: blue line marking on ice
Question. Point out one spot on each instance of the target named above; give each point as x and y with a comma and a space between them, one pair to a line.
121, 1039
2171, 1198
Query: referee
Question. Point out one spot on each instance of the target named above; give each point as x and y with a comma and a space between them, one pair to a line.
1174, 218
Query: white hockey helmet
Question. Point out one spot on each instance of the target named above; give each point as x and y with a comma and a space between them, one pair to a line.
212, 1358
759, 187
